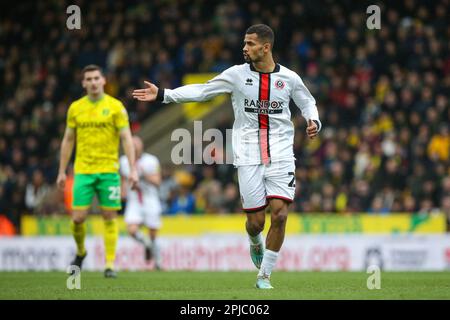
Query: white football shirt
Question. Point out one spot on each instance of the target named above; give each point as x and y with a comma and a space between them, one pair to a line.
146, 164
262, 131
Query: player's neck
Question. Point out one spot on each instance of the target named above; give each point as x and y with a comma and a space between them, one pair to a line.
96, 97
265, 66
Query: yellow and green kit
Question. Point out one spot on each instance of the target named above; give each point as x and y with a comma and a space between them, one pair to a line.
97, 125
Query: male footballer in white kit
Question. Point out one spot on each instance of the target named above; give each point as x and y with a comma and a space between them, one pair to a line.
263, 136
143, 206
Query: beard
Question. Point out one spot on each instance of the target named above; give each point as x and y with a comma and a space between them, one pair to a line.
256, 59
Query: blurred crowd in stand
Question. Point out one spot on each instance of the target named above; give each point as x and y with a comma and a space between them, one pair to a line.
383, 95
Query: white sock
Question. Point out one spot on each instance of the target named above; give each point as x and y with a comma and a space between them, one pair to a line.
142, 238
156, 252
256, 239
268, 263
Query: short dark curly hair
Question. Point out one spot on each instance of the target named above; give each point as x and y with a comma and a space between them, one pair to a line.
263, 31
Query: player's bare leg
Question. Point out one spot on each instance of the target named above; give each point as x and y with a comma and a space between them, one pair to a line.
135, 233
110, 239
274, 241
278, 219
155, 248
254, 226
79, 234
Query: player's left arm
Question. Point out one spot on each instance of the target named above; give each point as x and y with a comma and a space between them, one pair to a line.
122, 124
307, 104
128, 147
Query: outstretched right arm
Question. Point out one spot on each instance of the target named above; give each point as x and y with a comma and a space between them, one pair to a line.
223, 83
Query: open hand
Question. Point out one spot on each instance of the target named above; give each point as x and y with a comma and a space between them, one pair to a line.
147, 94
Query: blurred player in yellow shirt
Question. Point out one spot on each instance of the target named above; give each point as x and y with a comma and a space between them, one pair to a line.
97, 122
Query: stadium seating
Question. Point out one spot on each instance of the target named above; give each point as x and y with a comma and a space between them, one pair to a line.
383, 95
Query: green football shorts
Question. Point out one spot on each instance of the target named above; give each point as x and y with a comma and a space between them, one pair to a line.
105, 185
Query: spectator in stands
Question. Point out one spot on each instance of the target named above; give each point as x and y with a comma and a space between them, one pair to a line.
445, 206
167, 188
183, 200
231, 200
36, 191
208, 192
439, 146
382, 95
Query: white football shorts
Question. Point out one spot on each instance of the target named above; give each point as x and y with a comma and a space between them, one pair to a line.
147, 213
257, 183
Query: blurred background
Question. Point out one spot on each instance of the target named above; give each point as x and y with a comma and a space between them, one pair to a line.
383, 98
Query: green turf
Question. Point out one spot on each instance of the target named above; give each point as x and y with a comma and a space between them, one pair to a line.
225, 285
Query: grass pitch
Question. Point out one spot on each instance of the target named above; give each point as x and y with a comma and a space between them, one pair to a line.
225, 285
